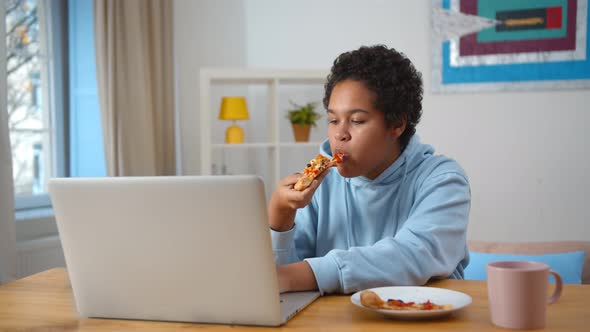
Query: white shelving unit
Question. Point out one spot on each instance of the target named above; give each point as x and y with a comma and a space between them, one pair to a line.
273, 80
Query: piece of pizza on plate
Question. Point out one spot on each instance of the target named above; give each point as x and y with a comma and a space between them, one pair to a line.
371, 300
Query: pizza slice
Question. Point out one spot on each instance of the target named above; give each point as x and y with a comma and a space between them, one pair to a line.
371, 300
315, 167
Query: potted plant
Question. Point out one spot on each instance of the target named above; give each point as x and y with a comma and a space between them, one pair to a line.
302, 118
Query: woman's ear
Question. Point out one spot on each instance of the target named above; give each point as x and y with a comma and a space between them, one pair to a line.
398, 130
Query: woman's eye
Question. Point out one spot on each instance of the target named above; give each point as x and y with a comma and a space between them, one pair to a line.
331, 121
356, 122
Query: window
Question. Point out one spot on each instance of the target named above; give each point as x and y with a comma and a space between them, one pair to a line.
35, 74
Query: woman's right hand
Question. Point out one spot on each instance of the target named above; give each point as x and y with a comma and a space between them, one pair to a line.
286, 200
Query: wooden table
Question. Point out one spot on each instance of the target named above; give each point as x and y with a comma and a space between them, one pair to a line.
44, 302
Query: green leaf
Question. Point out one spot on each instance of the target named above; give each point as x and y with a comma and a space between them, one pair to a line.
303, 114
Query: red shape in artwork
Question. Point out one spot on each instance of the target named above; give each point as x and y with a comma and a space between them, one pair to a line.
553, 18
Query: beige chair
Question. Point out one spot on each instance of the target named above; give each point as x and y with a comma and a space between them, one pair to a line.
536, 248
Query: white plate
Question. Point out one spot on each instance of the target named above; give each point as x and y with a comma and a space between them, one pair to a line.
416, 294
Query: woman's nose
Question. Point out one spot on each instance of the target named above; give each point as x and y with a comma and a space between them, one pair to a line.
342, 135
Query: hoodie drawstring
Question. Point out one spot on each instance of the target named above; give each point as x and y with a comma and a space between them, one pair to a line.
347, 216
399, 194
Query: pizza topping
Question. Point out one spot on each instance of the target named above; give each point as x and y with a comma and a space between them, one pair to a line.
315, 167
371, 300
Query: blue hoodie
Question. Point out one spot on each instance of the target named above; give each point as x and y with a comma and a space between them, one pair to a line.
405, 227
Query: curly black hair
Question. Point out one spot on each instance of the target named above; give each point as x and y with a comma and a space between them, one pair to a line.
391, 76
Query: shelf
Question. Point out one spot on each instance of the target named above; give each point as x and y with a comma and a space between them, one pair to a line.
253, 76
242, 145
270, 156
264, 145
306, 144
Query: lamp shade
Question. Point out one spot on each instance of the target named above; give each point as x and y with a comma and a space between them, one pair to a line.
233, 108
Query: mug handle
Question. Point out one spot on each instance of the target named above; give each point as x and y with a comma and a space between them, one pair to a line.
557, 292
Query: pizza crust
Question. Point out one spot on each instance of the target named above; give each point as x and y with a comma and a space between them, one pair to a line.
303, 183
314, 168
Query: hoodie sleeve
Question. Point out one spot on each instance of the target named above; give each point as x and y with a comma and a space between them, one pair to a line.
431, 243
285, 249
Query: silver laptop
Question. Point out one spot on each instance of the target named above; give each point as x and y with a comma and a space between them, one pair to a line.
186, 248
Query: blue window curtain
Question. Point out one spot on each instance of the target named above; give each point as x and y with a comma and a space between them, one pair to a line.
86, 146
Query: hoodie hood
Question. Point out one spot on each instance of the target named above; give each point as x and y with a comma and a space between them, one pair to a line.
412, 156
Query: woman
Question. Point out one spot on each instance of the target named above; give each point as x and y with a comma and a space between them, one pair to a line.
393, 213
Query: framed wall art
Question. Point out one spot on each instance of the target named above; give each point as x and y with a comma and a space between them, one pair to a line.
507, 45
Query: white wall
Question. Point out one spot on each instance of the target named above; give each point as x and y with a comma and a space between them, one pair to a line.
206, 33
525, 152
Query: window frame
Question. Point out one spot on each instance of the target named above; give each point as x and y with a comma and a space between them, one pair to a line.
54, 17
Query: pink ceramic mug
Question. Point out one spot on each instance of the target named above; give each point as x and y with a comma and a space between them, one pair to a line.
517, 292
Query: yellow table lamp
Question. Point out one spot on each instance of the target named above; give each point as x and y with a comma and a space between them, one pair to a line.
233, 108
